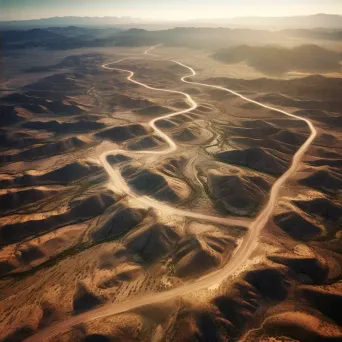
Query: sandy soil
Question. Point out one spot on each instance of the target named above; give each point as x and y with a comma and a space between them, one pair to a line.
76, 236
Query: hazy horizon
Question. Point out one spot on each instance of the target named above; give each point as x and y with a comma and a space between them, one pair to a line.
165, 9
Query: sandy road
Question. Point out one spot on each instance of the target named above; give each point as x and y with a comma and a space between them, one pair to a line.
242, 253
120, 183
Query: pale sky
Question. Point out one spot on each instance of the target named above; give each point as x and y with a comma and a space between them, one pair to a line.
164, 9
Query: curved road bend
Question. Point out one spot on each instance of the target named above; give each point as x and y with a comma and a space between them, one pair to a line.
242, 253
120, 183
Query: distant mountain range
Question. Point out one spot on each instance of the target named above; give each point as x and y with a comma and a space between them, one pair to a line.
73, 37
71, 21
321, 20
326, 21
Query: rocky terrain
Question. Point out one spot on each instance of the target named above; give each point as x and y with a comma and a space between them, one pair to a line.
113, 193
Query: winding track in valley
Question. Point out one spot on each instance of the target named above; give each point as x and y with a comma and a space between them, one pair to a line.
242, 253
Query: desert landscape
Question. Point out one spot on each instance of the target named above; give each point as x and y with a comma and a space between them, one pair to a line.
171, 185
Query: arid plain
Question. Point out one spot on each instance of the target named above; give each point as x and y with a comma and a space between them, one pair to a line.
135, 183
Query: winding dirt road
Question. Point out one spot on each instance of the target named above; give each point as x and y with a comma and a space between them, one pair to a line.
120, 183
242, 253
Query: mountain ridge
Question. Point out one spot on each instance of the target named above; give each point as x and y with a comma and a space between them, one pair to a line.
319, 20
